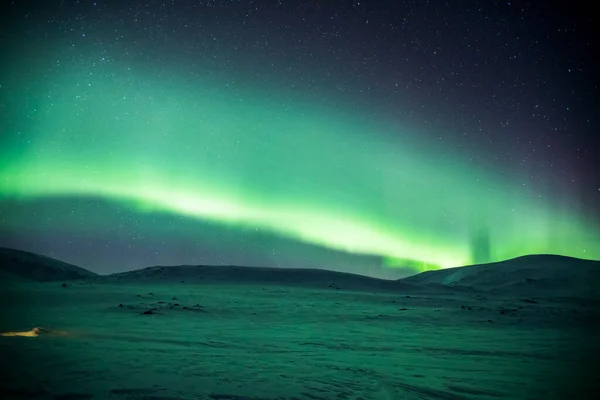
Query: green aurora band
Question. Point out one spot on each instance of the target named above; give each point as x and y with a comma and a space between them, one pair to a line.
276, 162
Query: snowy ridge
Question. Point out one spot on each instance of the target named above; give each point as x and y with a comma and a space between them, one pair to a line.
317, 278
549, 275
25, 266
539, 274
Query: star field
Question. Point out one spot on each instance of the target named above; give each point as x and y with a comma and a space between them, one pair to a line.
358, 136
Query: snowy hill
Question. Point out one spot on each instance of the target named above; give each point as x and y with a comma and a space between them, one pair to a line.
316, 278
25, 266
529, 275
534, 274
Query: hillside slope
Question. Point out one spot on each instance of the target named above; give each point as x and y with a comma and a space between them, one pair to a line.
534, 274
25, 266
310, 278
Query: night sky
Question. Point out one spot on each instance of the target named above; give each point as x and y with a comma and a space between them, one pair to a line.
375, 137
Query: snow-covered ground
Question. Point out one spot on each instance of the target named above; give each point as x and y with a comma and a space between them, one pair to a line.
242, 341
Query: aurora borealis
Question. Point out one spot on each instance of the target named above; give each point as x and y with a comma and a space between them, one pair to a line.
245, 151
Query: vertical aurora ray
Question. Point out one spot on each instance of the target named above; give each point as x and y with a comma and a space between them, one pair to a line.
296, 169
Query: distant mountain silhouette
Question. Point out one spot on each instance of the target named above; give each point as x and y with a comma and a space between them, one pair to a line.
310, 278
528, 275
534, 274
25, 266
